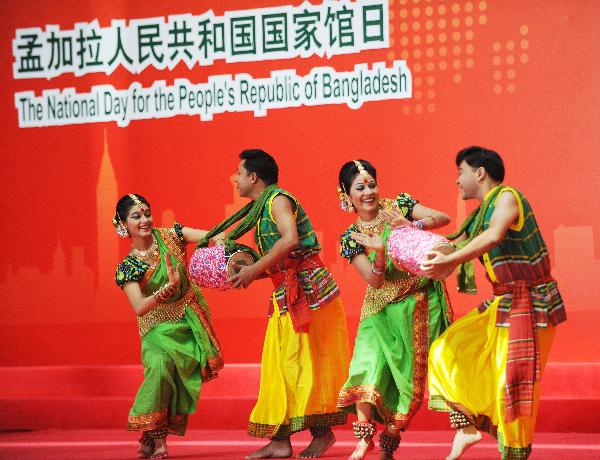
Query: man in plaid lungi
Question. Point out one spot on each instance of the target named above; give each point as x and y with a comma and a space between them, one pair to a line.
486, 368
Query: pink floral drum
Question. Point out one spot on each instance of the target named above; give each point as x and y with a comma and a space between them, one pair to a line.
212, 267
408, 247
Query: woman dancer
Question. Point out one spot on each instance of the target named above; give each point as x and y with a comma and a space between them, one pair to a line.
180, 350
400, 317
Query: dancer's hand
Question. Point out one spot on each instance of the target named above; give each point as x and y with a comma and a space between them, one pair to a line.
219, 240
395, 219
437, 266
368, 240
244, 277
172, 273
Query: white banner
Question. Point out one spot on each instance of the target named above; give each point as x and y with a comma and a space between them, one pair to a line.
220, 94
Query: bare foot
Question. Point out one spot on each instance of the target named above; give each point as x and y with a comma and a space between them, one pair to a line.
318, 446
386, 455
145, 451
364, 445
463, 439
275, 449
160, 449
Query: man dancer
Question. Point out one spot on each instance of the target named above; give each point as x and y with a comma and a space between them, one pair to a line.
486, 368
305, 355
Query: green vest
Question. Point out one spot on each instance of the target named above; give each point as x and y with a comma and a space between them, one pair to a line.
522, 254
266, 233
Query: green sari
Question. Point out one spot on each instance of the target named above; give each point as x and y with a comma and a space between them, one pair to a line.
399, 321
179, 347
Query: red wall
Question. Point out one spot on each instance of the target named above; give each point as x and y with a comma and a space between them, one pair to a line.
518, 77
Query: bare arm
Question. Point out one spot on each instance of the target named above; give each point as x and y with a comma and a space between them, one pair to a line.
140, 304
283, 215
374, 274
430, 217
363, 266
506, 214
194, 235
143, 304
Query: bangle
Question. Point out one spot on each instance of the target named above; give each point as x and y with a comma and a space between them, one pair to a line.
163, 293
419, 224
158, 295
377, 270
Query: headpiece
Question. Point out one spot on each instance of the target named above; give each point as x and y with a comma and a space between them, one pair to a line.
135, 199
362, 171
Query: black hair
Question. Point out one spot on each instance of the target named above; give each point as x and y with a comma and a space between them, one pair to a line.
125, 203
478, 157
260, 162
349, 171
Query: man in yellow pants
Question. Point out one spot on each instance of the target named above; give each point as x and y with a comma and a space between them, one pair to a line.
305, 354
486, 368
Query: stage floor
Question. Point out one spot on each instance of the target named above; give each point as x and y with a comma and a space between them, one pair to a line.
223, 444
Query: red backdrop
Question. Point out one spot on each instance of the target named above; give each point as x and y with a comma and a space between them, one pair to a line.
518, 77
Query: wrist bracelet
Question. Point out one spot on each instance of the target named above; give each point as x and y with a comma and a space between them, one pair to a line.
377, 270
158, 295
419, 224
163, 293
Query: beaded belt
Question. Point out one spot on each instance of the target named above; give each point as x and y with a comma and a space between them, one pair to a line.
165, 313
391, 291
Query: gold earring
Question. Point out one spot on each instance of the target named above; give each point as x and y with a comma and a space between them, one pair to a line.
345, 201
120, 228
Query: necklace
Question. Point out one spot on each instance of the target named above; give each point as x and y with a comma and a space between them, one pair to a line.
372, 226
149, 254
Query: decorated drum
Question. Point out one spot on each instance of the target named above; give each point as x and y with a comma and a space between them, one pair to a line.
212, 267
408, 247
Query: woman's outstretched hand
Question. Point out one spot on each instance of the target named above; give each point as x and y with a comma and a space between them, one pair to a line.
368, 240
395, 219
172, 273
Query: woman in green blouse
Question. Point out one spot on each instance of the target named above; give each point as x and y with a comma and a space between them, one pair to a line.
179, 347
401, 314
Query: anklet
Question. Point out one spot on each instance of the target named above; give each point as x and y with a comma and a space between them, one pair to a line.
364, 429
389, 442
458, 420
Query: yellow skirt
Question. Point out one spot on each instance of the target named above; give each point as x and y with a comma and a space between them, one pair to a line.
301, 373
467, 367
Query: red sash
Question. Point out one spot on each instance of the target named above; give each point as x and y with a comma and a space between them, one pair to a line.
522, 361
297, 302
